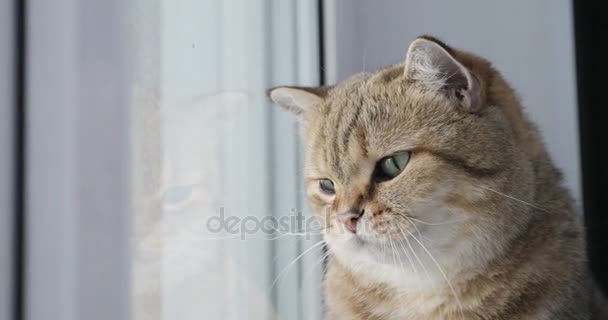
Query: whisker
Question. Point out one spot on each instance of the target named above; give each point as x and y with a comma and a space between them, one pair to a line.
408, 255
392, 251
415, 227
426, 271
409, 258
301, 234
401, 265
442, 273
514, 198
474, 230
316, 264
316, 245
431, 223
383, 248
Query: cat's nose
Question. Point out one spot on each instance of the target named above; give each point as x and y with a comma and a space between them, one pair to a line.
350, 219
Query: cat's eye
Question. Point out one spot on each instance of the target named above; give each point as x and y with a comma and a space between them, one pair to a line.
327, 186
390, 167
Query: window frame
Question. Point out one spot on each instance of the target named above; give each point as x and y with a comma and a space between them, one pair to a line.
77, 165
8, 110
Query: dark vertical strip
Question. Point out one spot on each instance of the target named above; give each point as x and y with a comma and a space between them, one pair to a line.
588, 17
322, 73
322, 82
19, 156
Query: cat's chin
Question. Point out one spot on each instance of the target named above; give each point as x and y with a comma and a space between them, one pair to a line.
360, 256
356, 241
373, 249
358, 247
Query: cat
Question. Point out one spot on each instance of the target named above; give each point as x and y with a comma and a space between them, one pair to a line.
438, 196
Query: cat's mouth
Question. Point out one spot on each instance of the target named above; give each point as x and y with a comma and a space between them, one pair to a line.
381, 248
362, 232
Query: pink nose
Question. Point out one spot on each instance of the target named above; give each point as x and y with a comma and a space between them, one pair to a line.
349, 219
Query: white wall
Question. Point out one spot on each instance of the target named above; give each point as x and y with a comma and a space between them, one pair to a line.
530, 42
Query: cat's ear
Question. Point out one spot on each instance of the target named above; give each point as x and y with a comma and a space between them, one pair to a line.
298, 100
430, 62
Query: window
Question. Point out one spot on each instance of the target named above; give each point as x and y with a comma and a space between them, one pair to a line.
209, 149
145, 175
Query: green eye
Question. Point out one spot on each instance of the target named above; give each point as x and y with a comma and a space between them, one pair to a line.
390, 167
327, 186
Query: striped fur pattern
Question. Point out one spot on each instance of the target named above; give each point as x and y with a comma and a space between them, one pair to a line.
477, 225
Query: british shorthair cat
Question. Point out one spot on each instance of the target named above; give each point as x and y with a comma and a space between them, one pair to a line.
439, 198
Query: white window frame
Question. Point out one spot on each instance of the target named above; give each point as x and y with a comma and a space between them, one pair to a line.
77, 257
295, 60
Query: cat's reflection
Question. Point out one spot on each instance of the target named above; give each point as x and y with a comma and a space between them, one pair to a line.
199, 270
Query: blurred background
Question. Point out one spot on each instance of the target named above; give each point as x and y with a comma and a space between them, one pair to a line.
132, 132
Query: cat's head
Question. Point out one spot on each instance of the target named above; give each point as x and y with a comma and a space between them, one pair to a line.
415, 160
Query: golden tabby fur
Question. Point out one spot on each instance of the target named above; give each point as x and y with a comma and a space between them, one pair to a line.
477, 225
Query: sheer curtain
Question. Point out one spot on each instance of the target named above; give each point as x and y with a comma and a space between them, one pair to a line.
208, 147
